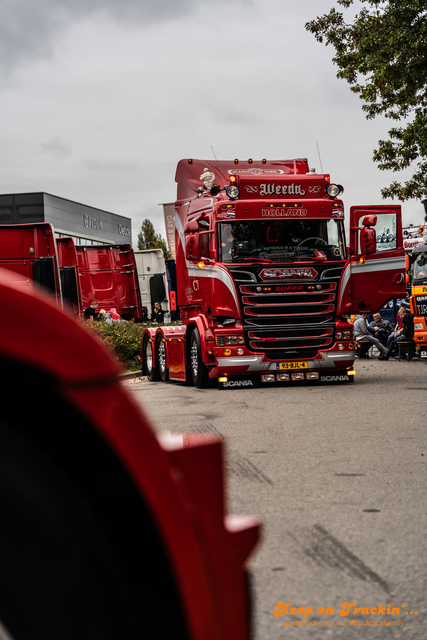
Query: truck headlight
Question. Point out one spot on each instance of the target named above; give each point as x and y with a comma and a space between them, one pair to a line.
344, 335
232, 191
222, 341
334, 190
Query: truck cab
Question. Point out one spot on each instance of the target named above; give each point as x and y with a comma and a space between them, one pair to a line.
266, 281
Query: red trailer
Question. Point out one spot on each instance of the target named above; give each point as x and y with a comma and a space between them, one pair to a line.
108, 532
29, 252
266, 283
108, 276
68, 268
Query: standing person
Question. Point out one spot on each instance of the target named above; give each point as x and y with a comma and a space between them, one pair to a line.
158, 313
405, 334
361, 332
380, 329
90, 311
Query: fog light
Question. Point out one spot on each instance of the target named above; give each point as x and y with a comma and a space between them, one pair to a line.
312, 375
298, 376
351, 346
240, 351
227, 352
283, 377
340, 347
268, 377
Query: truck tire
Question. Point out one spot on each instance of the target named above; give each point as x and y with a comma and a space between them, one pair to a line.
199, 372
161, 359
150, 368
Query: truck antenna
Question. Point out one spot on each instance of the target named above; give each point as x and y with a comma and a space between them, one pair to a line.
214, 153
320, 159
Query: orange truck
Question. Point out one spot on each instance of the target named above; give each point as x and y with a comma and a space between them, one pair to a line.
416, 278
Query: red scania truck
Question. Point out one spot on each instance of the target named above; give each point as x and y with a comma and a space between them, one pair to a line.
266, 281
107, 531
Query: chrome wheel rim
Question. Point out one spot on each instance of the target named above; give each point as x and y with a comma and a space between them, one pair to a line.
194, 359
148, 356
162, 357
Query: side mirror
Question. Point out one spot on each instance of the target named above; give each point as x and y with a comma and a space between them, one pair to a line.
196, 224
407, 278
192, 225
369, 221
368, 240
192, 248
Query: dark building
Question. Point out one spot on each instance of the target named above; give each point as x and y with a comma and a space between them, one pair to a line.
86, 225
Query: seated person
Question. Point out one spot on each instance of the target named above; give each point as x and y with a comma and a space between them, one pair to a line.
114, 314
397, 328
380, 329
404, 335
361, 333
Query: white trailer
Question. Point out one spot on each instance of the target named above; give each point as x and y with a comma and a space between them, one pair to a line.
153, 282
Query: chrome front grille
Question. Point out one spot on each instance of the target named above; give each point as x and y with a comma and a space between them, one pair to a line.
286, 320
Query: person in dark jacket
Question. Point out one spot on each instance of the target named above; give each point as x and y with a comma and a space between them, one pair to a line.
404, 335
380, 329
158, 313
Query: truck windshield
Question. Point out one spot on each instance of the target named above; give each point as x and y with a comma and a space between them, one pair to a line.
280, 240
420, 266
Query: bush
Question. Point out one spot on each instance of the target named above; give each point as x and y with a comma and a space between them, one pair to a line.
122, 339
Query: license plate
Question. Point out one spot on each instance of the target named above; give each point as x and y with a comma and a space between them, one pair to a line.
291, 365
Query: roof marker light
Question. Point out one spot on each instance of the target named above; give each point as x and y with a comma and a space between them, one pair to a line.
264, 161
250, 160
236, 161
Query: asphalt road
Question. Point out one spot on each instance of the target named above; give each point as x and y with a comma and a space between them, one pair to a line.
338, 476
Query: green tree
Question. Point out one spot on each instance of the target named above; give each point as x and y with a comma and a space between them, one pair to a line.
149, 239
382, 54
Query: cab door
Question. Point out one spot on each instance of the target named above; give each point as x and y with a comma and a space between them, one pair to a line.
380, 276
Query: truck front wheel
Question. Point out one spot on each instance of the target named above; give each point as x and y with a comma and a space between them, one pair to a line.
199, 372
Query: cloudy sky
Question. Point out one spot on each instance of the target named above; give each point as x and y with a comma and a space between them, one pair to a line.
99, 99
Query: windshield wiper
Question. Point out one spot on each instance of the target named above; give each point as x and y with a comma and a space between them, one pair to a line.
309, 258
